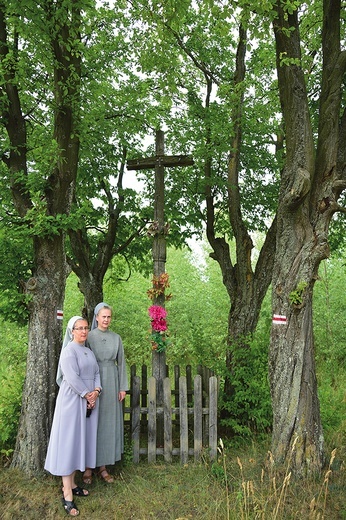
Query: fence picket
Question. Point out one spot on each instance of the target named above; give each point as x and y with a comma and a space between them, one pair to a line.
185, 407
135, 416
213, 417
198, 414
167, 420
184, 430
152, 420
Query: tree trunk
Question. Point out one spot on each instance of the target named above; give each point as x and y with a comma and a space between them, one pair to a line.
246, 297
308, 195
92, 290
90, 262
297, 431
245, 285
46, 290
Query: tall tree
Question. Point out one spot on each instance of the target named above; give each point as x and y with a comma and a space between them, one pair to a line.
42, 190
113, 216
101, 237
312, 180
218, 119
110, 216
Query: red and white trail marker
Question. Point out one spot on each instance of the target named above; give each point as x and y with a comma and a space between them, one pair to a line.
279, 319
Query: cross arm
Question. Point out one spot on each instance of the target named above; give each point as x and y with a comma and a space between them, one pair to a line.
168, 161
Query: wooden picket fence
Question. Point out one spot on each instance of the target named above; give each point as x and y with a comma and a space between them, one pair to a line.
189, 413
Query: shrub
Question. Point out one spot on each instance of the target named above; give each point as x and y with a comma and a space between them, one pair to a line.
248, 410
13, 349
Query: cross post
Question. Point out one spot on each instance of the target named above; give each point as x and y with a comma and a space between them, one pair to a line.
159, 162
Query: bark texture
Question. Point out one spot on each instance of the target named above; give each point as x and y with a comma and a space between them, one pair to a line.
46, 287
246, 285
308, 199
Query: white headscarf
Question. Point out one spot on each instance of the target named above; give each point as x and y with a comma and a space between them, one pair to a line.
97, 309
68, 337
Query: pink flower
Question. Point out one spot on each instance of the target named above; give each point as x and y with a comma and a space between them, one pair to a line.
159, 325
158, 317
156, 312
159, 328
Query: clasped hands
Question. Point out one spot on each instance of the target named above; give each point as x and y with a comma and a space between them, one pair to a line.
91, 399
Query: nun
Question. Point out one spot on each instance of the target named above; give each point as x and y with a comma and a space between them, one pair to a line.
72, 442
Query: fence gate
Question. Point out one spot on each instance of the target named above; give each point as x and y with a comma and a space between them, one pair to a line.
189, 416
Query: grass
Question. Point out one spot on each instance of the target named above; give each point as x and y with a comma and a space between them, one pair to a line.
242, 485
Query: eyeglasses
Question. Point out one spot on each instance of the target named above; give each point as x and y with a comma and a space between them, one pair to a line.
80, 328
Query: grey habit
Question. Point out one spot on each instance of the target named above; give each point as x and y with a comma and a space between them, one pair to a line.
109, 351
72, 443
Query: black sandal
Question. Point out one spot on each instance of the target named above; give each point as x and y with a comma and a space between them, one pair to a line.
68, 505
80, 492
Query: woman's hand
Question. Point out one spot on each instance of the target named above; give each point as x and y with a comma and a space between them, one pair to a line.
121, 395
91, 398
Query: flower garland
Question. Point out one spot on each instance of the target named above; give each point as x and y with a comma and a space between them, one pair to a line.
160, 284
159, 340
158, 314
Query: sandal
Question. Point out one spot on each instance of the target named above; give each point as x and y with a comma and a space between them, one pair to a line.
87, 478
104, 475
69, 505
80, 492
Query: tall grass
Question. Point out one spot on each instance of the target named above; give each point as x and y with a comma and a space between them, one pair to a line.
243, 484
273, 493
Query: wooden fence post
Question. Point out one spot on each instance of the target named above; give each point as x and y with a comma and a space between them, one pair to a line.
176, 392
189, 384
144, 394
198, 414
184, 430
213, 388
167, 420
136, 416
152, 387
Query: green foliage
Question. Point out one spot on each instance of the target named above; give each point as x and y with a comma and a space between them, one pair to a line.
296, 296
337, 236
159, 341
329, 307
249, 409
16, 269
198, 312
73, 303
13, 348
218, 471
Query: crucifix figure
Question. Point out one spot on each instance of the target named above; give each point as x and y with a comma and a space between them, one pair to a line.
159, 162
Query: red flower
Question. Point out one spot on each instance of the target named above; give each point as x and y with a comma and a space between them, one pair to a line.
156, 312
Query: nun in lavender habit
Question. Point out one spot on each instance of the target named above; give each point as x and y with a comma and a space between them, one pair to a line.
72, 442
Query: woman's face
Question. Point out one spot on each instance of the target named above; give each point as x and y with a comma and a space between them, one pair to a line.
80, 331
104, 319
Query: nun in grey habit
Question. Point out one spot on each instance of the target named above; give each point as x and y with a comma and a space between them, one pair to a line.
109, 351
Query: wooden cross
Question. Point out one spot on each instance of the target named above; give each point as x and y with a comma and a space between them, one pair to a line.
160, 161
